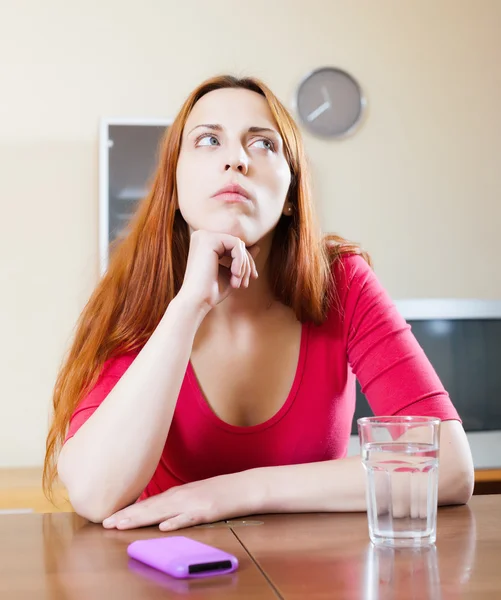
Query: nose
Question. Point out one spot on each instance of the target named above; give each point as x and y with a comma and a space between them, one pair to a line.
237, 162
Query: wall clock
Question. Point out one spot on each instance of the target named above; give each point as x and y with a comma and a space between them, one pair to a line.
330, 103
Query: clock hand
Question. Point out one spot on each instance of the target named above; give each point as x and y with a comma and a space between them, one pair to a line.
325, 94
318, 111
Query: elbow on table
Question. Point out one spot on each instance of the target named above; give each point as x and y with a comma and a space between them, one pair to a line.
456, 471
92, 507
94, 513
93, 502
458, 484
466, 485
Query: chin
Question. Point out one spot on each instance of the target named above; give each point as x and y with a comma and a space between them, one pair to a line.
236, 229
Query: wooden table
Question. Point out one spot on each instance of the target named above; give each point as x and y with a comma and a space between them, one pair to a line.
61, 555
329, 556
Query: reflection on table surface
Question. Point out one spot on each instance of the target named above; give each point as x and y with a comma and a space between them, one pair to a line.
74, 548
309, 556
183, 586
418, 572
61, 555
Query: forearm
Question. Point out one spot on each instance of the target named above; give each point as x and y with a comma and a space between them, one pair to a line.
328, 486
112, 457
339, 485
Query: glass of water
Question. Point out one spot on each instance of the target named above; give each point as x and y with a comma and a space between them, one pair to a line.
400, 456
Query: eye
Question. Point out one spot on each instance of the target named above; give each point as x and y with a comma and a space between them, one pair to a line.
266, 144
208, 139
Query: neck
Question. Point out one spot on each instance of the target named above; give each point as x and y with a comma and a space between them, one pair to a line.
247, 302
243, 311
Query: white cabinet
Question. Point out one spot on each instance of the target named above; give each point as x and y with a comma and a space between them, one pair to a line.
128, 153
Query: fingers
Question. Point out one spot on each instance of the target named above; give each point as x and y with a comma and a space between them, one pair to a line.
248, 270
238, 264
140, 514
234, 255
243, 267
253, 252
178, 522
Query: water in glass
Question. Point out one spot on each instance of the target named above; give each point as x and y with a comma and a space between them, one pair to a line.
401, 492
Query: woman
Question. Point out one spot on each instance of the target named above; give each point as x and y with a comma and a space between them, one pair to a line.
213, 370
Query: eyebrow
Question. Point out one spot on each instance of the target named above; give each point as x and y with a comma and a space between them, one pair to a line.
216, 127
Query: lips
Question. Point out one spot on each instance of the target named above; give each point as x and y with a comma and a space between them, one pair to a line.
233, 190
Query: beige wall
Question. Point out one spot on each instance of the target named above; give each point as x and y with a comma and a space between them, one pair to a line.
418, 185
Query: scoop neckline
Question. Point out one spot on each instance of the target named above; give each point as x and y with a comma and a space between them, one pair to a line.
281, 412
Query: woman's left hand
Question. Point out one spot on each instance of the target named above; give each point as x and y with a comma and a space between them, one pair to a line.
206, 501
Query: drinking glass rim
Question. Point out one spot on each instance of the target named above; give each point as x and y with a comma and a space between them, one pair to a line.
396, 419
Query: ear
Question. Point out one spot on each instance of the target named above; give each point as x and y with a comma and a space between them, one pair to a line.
288, 209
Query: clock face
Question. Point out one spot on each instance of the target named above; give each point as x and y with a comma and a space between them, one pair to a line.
330, 102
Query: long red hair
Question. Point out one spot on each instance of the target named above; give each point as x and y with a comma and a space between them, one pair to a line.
146, 267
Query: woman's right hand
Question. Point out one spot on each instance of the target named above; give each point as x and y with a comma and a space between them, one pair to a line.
217, 264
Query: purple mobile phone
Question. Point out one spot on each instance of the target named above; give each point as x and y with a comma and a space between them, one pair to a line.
182, 557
